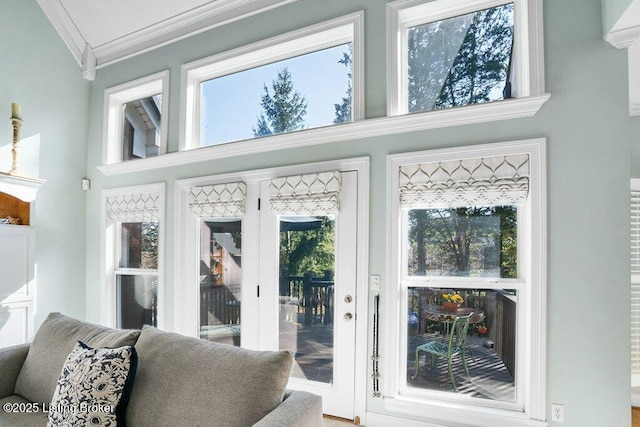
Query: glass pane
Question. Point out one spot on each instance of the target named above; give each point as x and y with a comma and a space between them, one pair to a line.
303, 92
468, 242
461, 61
141, 128
220, 280
487, 346
137, 301
139, 245
307, 265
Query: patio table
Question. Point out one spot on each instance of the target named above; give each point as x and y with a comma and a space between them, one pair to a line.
438, 313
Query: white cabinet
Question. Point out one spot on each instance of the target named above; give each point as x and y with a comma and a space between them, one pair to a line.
17, 258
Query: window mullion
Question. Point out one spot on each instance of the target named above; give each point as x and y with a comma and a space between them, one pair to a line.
136, 271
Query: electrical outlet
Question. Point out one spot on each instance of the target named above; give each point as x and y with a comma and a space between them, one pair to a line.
557, 413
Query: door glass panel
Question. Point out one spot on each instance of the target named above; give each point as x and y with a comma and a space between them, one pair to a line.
220, 280
137, 300
307, 266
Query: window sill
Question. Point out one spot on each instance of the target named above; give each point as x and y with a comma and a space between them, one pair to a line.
401, 412
500, 110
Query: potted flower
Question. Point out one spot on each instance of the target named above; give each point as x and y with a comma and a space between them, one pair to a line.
482, 330
452, 301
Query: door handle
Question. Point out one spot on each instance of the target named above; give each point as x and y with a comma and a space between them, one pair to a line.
348, 299
347, 317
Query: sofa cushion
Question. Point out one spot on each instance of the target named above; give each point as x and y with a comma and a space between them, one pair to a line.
94, 386
192, 382
16, 411
52, 344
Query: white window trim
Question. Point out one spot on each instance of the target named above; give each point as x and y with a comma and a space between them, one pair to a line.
528, 44
503, 110
533, 361
115, 97
108, 254
346, 29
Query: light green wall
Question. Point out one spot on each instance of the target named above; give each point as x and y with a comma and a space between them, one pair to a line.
612, 10
39, 73
589, 138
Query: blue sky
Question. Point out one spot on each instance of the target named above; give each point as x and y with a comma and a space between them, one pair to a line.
231, 104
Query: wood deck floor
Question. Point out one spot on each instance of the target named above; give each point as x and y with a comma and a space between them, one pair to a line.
313, 347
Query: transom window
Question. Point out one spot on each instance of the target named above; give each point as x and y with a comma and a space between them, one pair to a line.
306, 79
450, 53
460, 61
135, 119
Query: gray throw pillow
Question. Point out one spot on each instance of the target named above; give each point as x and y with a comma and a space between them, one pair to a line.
184, 381
93, 387
53, 342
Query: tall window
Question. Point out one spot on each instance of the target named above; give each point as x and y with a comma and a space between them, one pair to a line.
448, 53
133, 256
468, 276
306, 79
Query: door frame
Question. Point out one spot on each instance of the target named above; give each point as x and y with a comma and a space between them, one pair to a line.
181, 319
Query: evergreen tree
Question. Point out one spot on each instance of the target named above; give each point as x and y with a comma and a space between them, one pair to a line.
343, 110
461, 61
284, 111
309, 250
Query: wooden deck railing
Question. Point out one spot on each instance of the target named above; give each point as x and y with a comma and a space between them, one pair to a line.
505, 330
221, 302
314, 296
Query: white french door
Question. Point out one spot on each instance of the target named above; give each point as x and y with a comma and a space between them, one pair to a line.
244, 282
318, 322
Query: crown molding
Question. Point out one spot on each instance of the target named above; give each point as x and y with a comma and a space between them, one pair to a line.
210, 15
624, 37
63, 24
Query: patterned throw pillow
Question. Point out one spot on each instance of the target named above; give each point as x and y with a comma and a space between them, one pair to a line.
93, 387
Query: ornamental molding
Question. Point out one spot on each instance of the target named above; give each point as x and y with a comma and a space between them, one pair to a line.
203, 18
369, 128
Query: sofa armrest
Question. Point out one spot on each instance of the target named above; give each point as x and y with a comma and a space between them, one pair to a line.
299, 408
11, 361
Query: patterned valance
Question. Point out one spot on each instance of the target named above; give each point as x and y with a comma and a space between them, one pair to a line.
310, 194
218, 200
141, 207
486, 181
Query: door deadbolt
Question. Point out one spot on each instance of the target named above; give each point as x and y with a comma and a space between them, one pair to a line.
348, 299
347, 317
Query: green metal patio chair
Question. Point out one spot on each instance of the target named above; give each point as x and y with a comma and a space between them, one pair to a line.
454, 345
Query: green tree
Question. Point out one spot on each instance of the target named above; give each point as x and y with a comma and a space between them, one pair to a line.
343, 109
461, 61
284, 111
308, 251
463, 241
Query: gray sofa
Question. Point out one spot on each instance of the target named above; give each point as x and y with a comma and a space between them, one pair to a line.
180, 381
